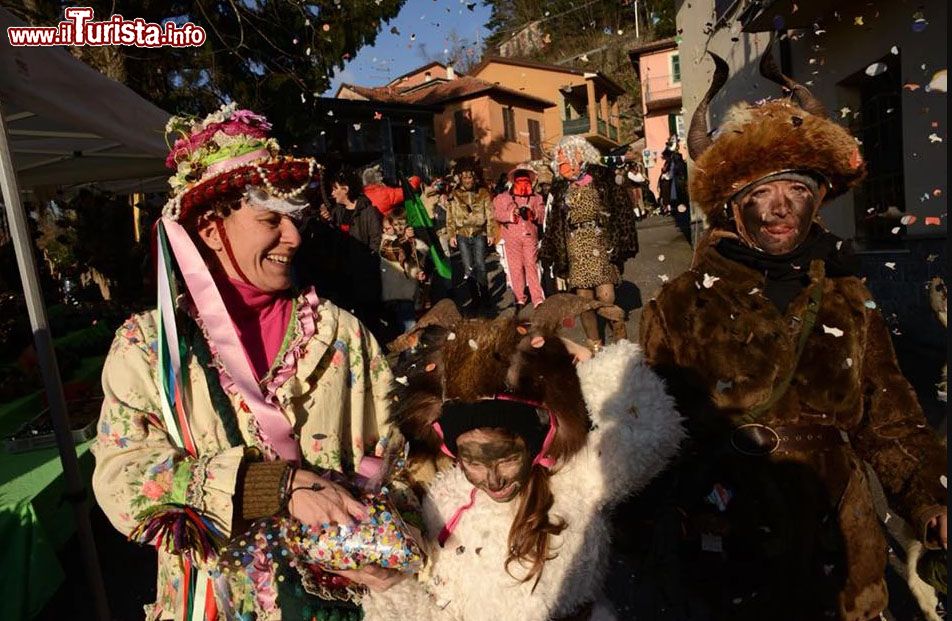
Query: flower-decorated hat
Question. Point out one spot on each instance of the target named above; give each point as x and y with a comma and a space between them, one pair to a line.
224, 155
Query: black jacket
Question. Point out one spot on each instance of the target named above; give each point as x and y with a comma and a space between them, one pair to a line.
344, 267
367, 224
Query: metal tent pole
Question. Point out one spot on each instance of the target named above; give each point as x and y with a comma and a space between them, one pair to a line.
76, 492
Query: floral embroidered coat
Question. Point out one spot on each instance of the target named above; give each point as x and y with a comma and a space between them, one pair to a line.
329, 378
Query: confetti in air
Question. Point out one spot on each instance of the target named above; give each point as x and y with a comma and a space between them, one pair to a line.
836, 332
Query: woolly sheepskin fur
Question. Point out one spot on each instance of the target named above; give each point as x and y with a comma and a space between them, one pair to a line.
758, 140
635, 432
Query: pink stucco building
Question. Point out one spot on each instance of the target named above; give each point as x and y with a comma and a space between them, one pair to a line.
658, 67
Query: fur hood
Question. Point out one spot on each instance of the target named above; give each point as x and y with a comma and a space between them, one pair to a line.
635, 432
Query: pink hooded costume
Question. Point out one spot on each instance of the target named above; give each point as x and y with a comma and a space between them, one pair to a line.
520, 212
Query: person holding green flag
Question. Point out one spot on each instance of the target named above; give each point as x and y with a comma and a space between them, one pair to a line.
422, 224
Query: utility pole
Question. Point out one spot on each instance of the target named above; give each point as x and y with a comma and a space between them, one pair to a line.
637, 34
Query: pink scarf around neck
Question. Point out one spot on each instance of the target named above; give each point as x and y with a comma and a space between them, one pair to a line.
261, 319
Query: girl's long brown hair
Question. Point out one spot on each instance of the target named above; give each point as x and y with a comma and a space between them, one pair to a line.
504, 360
529, 536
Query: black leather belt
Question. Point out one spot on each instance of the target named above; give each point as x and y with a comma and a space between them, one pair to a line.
757, 440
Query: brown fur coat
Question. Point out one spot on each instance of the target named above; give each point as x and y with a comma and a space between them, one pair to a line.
723, 346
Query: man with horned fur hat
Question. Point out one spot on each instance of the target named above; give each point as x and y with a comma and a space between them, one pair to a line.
543, 441
785, 371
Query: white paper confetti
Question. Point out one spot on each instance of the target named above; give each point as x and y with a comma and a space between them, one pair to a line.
934, 138
661, 257
473, 344
895, 230
844, 112
402, 380
357, 127
890, 264
834, 331
754, 291
722, 386
451, 336
848, 363
876, 69
663, 277
944, 481
939, 82
894, 50
682, 208
710, 280
869, 304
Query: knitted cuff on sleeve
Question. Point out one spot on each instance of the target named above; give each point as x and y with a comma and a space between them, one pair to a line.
263, 488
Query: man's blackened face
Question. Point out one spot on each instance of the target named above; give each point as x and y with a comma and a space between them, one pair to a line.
777, 215
495, 461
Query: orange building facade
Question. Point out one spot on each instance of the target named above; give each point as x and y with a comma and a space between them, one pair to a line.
507, 111
586, 102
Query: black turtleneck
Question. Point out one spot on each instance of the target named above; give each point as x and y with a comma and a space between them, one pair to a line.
786, 275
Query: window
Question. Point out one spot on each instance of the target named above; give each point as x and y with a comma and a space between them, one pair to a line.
464, 127
676, 126
675, 68
535, 140
722, 8
876, 120
509, 124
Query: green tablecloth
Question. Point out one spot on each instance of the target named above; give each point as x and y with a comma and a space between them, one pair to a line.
34, 523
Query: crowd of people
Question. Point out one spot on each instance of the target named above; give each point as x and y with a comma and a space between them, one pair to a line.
582, 226
286, 467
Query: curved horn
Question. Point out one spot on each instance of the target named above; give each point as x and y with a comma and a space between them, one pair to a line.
801, 94
556, 308
698, 140
444, 313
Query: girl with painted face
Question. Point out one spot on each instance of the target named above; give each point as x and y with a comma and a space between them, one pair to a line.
238, 397
590, 230
533, 440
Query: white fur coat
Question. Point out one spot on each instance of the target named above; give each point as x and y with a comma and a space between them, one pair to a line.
636, 431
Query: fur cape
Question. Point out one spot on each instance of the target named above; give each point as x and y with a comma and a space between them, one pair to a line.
759, 140
617, 219
634, 432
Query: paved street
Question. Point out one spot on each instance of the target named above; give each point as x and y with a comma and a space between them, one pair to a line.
664, 251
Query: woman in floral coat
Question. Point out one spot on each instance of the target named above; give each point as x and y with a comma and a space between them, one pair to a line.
272, 388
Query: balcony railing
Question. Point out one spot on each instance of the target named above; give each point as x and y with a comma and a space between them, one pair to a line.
659, 88
576, 126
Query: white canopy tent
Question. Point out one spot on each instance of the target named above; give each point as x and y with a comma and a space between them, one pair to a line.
70, 124
63, 123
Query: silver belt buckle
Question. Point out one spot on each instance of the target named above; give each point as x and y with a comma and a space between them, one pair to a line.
755, 440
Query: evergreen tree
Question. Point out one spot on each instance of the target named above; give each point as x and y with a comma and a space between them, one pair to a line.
273, 56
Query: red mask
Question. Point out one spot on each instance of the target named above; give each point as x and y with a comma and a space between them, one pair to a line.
521, 186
